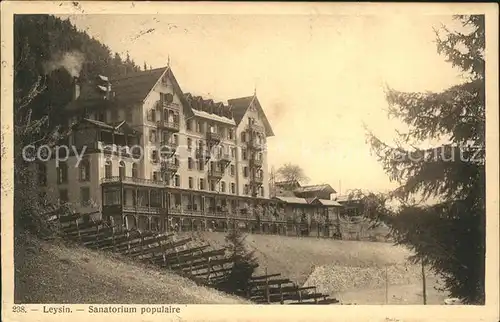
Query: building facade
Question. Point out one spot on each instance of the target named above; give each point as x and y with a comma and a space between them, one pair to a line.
144, 154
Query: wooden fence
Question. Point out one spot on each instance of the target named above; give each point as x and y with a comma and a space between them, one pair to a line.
187, 257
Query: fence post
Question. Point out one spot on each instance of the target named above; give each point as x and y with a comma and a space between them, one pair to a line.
424, 286
268, 297
386, 285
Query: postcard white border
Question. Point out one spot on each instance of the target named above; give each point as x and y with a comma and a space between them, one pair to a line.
489, 312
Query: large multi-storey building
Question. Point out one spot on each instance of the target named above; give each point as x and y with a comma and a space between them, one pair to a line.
146, 155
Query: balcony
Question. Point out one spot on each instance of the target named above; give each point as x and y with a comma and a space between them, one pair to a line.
215, 174
172, 106
252, 144
141, 209
257, 162
214, 137
203, 154
225, 158
134, 181
169, 166
258, 180
256, 128
168, 148
168, 125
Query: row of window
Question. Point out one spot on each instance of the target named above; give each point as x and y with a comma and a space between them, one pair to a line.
168, 115
202, 127
62, 172
85, 200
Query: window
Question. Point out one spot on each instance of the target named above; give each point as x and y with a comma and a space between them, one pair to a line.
108, 168
129, 116
177, 180
42, 174
176, 139
62, 173
85, 196
245, 189
153, 115
233, 188
231, 134
189, 144
244, 154
245, 172
262, 191
222, 186
155, 176
232, 169
154, 156
63, 195
201, 165
85, 170
198, 126
243, 137
135, 173
121, 169
190, 181
189, 125
190, 163
152, 136
202, 184
233, 152
212, 186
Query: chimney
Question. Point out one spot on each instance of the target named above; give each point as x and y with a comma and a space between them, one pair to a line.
76, 88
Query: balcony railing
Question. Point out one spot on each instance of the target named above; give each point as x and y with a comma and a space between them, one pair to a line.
169, 125
135, 181
142, 209
214, 136
258, 180
215, 174
257, 162
256, 145
256, 128
168, 148
225, 158
173, 106
169, 166
203, 154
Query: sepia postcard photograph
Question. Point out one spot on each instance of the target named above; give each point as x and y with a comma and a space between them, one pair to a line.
159, 156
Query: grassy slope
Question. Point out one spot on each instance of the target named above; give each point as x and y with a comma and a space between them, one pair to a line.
352, 271
53, 272
296, 257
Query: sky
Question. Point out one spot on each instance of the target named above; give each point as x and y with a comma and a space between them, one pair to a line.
319, 78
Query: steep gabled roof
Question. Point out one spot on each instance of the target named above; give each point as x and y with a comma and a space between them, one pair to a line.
240, 107
128, 89
135, 87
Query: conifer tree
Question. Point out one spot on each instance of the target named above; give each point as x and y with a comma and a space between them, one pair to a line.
244, 264
448, 234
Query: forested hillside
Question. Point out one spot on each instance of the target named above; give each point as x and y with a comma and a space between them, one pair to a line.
48, 53
44, 45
